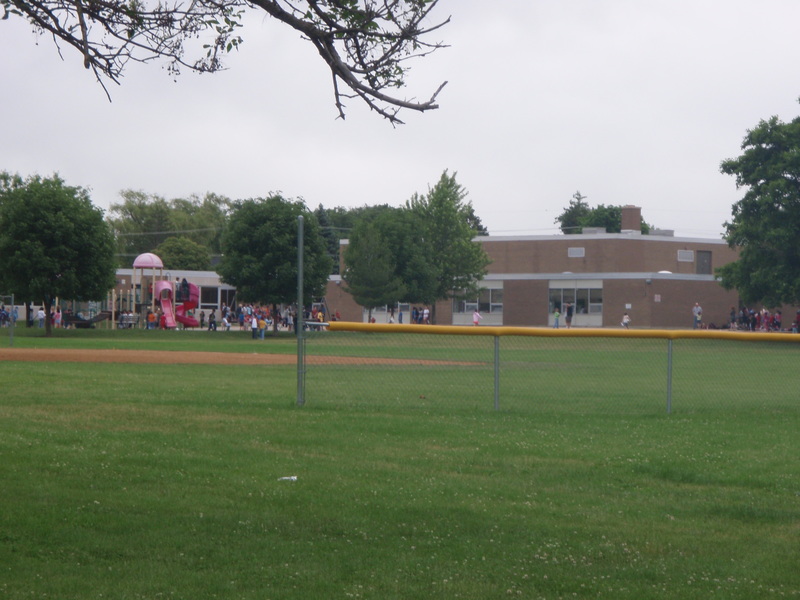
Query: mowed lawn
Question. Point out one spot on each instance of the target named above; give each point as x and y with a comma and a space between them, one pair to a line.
207, 481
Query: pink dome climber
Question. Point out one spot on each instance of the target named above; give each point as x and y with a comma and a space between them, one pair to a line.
148, 260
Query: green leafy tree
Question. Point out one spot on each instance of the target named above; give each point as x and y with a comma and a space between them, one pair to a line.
53, 242
765, 224
608, 217
444, 217
260, 252
339, 223
202, 220
400, 231
181, 253
408, 240
579, 214
570, 220
365, 44
371, 273
143, 222
475, 222
330, 236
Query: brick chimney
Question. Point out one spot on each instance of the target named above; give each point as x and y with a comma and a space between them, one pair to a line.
631, 218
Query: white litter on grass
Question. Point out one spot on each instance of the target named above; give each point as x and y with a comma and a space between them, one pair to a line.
290, 478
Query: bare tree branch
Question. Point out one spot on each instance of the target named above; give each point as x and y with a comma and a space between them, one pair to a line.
365, 43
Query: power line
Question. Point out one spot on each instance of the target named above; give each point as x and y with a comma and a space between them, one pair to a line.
143, 233
134, 234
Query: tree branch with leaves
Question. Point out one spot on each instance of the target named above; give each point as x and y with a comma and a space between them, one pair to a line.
367, 44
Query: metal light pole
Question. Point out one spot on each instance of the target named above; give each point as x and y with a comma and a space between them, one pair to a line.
12, 323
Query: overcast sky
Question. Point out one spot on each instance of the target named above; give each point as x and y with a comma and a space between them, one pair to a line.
627, 101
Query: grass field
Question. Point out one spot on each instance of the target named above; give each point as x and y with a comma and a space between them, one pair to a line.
165, 481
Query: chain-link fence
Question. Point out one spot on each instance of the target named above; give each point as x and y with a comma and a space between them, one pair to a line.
559, 371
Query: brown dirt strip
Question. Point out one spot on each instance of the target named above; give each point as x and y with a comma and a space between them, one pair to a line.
193, 358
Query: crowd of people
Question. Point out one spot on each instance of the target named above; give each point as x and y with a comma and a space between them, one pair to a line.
254, 317
742, 319
8, 315
419, 315
748, 319
259, 318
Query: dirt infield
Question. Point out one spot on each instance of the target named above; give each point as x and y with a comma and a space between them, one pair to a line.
178, 358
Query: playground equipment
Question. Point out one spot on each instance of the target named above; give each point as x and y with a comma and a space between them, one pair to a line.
175, 301
79, 322
143, 263
186, 293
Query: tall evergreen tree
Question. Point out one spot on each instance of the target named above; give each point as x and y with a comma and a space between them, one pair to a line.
570, 220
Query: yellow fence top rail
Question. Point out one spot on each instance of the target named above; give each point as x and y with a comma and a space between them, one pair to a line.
667, 334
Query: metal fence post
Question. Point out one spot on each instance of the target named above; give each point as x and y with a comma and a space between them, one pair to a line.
669, 376
301, 357
497, 372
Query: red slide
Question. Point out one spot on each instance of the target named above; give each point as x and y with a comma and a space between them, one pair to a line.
163, 291
190, 304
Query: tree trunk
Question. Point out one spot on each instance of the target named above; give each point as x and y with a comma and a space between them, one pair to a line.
48, 321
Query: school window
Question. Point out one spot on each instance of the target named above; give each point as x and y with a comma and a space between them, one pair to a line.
595, 301
703, 264
227, 296
488, 301
585, 300
400, 307
208, 296
212, 296
576, 252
